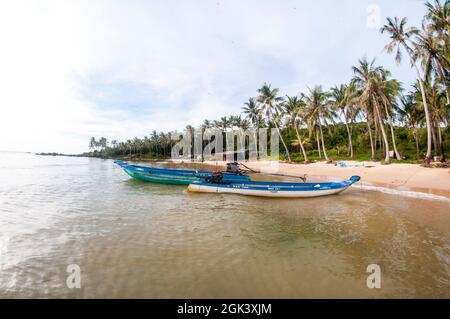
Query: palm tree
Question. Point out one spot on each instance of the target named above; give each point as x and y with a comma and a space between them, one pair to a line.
319, 110
129, 144
204, 127
206, 124
251, 111
343, 99
294, 107
439, 114
244, 124
253, 114
222, 124
92, 143
412, 115
389, 92
269, 100
438, 18
400, 38
103, 143
114, 143
235, 121
432, 52
368, 79
190, 131
137, 146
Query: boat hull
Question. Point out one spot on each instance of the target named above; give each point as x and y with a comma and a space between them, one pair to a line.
173, 176
263, 193
162, 178
280, 189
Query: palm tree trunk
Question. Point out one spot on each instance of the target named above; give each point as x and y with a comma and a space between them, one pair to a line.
441, 144
394, 145
305, 157
397, 154
323, 143
202, 156
376, 133
256, 143
318, 144
433, 134
378, 137
282, 141
350, 145
381, 142
256, 135
425, 107
383, 132
372, 148
416, 137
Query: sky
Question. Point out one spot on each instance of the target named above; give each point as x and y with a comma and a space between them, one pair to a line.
70, 70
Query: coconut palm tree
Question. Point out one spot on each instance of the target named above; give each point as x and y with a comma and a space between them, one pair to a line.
368, 79
294, 109
190, 131
438, 18
223, 124
432, 52
401, 37
439, 114
114, 143
412, 115
253, 114
251, 111
237, 122
389, 92
343, 99
103, 143
269, 100
92, 143
206, 124
320, 112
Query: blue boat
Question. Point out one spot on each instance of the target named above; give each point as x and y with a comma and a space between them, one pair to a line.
174, 176
272, 189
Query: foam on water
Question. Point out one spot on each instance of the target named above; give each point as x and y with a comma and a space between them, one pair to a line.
403, 192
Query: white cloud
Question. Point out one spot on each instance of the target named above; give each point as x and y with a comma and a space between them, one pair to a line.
203, 59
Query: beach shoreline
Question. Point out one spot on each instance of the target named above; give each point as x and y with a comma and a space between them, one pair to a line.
401, 177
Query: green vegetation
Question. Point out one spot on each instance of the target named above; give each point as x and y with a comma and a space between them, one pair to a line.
369, 118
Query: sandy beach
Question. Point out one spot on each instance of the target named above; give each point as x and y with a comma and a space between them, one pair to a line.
404, 177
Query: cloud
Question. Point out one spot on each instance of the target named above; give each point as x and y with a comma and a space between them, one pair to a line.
75, 69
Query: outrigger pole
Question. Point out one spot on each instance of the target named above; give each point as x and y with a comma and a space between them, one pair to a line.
303, 178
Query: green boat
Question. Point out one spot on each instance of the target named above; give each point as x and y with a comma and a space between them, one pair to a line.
174, 176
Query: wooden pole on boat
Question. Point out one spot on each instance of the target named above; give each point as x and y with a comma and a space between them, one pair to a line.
303, 178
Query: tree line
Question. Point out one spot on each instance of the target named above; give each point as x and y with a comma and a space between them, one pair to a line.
370, 114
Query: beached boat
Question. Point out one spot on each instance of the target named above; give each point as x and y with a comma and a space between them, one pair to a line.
174, 176
273, 189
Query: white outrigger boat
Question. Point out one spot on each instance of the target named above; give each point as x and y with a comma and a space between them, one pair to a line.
272, 189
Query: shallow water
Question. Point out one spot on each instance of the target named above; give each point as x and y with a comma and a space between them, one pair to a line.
136, 239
